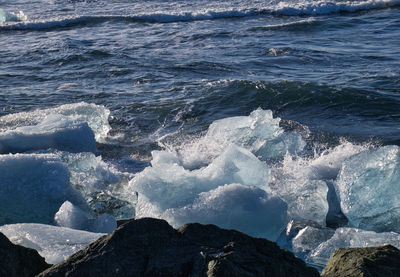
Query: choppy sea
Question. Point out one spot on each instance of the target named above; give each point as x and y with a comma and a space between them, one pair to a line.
252, 115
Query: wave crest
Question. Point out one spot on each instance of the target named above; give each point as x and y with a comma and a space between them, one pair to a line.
11, 21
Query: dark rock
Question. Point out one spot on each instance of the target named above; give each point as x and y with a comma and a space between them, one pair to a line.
151, 247
19, 261
366, 262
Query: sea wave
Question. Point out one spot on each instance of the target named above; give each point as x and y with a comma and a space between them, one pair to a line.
313, 8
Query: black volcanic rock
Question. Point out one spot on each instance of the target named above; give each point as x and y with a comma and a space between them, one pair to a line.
151, 247
19, 261
381, 261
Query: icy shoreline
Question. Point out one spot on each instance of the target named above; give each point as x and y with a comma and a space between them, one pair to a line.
246, 173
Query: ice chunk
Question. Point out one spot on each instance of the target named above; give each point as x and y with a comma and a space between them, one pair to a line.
33, 187
168, 190
351, 237
291, 231
309, 238
73, 217
369, 189
259, 133
306, 199
167, 184
303, 182
94, 115
55, 131
53, 243
245, 208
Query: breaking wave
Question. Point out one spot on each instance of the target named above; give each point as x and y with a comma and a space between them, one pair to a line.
315, 8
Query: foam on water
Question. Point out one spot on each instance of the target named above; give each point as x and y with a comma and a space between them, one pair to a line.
53, 243
6, 16
287, 8
259, 133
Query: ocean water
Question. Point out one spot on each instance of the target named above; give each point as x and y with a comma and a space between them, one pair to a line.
245, 114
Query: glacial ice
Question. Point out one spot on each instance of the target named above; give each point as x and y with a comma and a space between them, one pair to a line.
33, 187
306, 199
167, 184
245, 208
53, 243
304, 182
100, 183
259, 133
223, 193
309, 238
94, 115
369, 189
349, 237
73, 217
55, 131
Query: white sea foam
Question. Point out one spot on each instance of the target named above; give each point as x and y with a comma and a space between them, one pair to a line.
287, 8
53, 243
6, 16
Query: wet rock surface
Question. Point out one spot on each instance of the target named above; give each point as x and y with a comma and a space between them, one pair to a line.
366, 262
19, 261
151, 247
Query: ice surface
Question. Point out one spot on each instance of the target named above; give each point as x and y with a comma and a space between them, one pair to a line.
229, 192
33, 187
303, 182
94, 115
167, 184
306, 199
100, 183
369, 189
351, 237
73, 217
259, 133
55, 131
309, 238
245, 208
53, 243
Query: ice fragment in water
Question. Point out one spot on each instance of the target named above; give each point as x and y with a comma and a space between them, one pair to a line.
55, 131
351, 237
229, 192
369, 189
94, 115
73, 217
259, 133
53, 243
167, 184
245, 208
33, 187
309, 238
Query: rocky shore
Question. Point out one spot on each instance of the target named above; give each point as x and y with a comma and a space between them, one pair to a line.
151, 247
